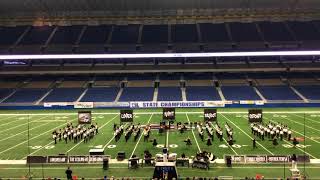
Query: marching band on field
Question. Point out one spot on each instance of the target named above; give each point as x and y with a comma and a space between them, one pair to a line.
75, 133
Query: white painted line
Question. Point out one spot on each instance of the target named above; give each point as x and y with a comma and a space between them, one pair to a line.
307, 118
246, 134
38, 150
30, 139
135, 147
24, 131
230, 146
301, 124
23, 124
8, 118
99, 129
193, 134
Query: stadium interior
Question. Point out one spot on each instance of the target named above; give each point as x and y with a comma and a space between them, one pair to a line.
198, 84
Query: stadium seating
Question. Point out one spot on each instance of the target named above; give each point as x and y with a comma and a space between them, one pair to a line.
278, 93
4, 93
107, 94
239, 93
9, 35
26, 95
169, 94
64, 95
137, 94
202, 93
311, 92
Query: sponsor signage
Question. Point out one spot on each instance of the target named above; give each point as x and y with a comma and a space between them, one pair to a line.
51, 104
57, 159
84, 117
112, 104
67, 159
78, 159
168, 114
254, 159
83, 105
176, 104
210, 114
255, 115
126, 115
277, 159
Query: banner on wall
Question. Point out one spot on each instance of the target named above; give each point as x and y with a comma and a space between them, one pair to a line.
83, 105
175, 104
50, 104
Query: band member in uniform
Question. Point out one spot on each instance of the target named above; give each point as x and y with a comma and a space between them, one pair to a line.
154, 143
254, 145
209, 141
188, 141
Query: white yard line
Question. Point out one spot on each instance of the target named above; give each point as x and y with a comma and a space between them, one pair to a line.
135, 147
107, 144
230, 146
23, 124
307, 118
194, 136
24, 131
301, 150
301, 124
10, 122
246, 133
31, 139
99, 129
38, 150
10, 117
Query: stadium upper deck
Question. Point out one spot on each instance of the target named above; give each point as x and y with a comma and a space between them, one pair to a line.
169, 38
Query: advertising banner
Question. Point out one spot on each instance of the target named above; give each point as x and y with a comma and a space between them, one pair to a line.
83, 105
175, 104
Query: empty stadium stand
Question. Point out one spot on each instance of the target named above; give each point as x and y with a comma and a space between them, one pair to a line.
105, 94
64, 95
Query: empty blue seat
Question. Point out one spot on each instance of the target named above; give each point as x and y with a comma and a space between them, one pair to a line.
275, 31
181, 33
149, 31
214, 33
26, 96
5, 92
64, 95
125, 34
243, 32
37, 35
238, 93
137, 94
278, 93
311, 92
202, 93
105, 94
169, 94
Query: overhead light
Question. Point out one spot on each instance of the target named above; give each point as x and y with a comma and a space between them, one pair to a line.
159, 55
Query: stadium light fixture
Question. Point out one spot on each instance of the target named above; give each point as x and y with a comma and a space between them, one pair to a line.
159, 55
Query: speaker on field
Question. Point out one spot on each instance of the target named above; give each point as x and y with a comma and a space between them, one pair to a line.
228, 161
105, 164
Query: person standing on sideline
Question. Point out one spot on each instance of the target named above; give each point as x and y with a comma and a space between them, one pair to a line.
69, 174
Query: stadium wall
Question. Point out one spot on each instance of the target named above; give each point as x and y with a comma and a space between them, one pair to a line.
69, 107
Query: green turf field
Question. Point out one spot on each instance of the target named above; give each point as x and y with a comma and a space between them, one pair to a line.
14, 140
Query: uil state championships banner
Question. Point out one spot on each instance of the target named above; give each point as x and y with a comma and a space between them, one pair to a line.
163, 104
